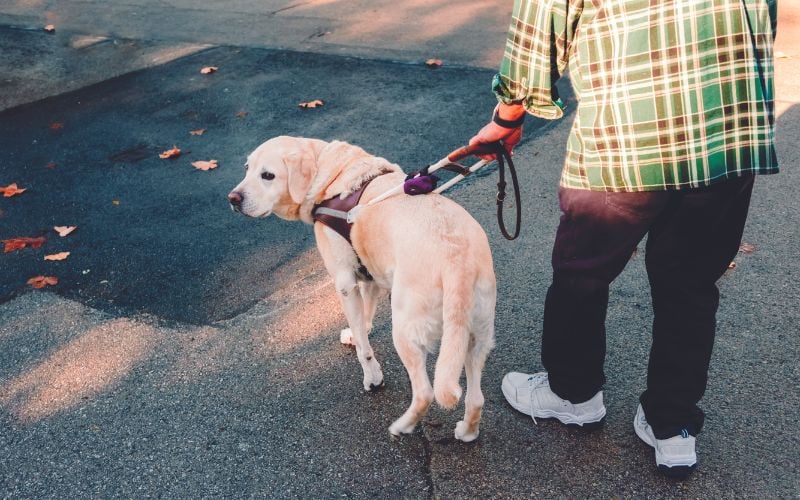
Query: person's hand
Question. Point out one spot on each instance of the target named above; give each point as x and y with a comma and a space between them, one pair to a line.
493, 132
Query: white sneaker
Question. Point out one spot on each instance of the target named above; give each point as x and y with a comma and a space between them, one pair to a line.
674, 456
531, 395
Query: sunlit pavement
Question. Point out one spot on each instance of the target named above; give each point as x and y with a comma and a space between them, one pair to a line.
188, 351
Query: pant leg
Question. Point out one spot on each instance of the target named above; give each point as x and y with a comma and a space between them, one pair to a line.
688, 249
597, 234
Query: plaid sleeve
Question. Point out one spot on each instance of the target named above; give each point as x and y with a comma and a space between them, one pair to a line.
536, 55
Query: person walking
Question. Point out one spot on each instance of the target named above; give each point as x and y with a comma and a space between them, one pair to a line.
674, 120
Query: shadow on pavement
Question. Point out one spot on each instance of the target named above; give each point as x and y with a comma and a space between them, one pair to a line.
157, 236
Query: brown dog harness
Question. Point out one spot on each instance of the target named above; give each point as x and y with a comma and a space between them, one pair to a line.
333, 213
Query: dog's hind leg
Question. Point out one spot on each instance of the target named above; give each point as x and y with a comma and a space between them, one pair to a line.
413, 358
481, 342
467, 429
407, 330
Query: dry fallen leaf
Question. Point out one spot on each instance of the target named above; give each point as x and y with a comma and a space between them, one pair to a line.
57, 256
205, 165
64, 230
199, 131
241, 114
11, 190
433, 63
56, 126
732, 265
115, 202
747, 248
51, 165
208, 70
12, 244
50, 28
312, 104
42, 281
170, 153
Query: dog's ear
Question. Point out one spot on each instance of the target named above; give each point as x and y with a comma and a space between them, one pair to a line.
301, 165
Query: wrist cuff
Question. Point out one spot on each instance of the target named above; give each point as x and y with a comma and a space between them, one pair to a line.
508, 123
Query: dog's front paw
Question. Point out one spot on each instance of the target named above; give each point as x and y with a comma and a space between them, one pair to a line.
373, 378
463, 433
401, 426
346, 337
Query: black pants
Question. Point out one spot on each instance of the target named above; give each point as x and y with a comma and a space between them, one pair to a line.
693, 235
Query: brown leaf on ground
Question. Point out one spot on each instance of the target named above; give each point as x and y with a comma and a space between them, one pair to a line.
732, 265
42, 281
57, 256
205, 165
51, 165
312, 104
50, 28
170, 153
199, 131
12, 190
208, 70
241, 114
747, 248
56, 126
433, 63
13, 244
64, 230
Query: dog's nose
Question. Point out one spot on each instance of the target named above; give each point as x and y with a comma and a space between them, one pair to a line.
235, 198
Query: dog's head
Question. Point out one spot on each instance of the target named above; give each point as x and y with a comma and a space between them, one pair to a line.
277, 177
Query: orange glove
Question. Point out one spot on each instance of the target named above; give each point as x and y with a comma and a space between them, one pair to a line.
508, 130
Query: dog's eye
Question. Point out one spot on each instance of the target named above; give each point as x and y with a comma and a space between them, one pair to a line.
267, 176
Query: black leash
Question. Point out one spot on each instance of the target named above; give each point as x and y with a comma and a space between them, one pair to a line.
504, 156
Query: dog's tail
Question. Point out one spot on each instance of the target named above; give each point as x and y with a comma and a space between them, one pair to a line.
457, 307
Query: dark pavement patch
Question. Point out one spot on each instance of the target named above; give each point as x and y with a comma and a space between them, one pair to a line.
155, 235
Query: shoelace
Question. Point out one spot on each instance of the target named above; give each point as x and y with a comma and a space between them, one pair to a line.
536, 380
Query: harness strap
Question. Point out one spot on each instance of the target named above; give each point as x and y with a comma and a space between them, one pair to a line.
322, 210
333, 213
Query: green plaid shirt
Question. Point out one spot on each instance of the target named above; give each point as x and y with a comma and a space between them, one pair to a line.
672, 93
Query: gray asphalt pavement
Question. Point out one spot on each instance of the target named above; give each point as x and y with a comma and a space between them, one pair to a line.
190, 352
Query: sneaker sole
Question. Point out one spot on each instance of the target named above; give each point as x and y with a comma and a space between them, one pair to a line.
677, 471
593, 421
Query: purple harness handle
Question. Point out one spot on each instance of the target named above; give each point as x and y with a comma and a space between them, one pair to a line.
420, 184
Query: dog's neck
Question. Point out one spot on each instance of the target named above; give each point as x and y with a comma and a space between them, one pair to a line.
352, 166
316, 194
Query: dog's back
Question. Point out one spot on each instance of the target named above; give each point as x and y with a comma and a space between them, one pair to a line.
435, 258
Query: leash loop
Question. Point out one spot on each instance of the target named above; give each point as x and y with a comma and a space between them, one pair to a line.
503, 157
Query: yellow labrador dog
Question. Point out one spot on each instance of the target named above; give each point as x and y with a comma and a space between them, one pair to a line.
426, 250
